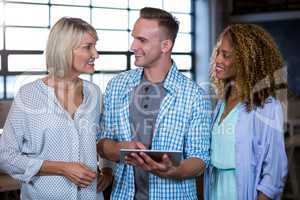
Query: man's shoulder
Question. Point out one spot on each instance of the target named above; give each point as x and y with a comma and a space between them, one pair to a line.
122, 80
124, 77
188, 85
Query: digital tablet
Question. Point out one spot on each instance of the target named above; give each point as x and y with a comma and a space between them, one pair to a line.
156, 155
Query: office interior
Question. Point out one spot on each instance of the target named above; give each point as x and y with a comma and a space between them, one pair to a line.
23, 36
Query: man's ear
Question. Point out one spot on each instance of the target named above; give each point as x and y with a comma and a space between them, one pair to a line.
166, 45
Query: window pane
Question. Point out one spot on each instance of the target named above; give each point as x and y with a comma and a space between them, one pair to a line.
107, 41
13, 83
26, 63
118, 19
33, 1
183, 62
1, 87
72, 2
138, 4
26, 38
184, 22
133, 16
58, 12
1, 13
183, 43
111, 4
102, 80
1, 38
130, 42
26, 15
177, 6
132, 59
86, 77
111, 62
188, 74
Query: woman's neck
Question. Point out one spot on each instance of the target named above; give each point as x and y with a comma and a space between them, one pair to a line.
63, 83
232, 94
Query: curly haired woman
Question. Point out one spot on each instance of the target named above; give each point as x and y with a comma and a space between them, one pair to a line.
248, 159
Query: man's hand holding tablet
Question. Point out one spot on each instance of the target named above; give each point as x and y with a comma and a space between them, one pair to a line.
156, 155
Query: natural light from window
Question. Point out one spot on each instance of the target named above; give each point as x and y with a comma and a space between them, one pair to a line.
25, 25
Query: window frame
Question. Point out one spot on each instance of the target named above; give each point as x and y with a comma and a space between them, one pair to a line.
4, 71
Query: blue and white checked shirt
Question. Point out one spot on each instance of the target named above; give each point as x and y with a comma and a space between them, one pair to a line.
183, 124
37, 129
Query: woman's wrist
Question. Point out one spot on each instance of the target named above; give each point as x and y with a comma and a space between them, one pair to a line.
53, 168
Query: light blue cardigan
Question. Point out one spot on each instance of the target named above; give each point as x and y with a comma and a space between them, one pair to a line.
261, 162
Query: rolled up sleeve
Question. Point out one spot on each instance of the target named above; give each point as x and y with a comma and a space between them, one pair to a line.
106, 123
12, 161
274, 170
198, 138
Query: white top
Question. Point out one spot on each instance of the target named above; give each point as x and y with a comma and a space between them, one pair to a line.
38, 128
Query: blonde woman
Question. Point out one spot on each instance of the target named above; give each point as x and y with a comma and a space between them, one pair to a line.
248, 159
49, 138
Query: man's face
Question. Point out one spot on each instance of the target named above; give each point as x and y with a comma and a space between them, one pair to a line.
147, 43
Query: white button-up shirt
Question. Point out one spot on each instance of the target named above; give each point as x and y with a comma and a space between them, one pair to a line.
38, 128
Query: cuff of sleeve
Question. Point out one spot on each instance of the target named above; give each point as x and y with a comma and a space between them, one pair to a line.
106, 163
32, 169
204, 158
105, 136
270, 191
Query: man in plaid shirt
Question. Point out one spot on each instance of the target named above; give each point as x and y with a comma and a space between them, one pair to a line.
155, 107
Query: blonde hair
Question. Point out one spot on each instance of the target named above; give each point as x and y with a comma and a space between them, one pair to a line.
64, 36
257, 61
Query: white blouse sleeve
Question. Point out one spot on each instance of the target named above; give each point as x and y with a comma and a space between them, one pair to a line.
13, 161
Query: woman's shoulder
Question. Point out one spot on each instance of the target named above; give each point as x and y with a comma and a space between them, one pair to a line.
271, 107
31, 88
31, 96
271, 114
92, 87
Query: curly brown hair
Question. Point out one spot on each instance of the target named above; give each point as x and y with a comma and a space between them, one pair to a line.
258, 63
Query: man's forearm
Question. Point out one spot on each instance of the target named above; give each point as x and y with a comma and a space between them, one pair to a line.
189, 168
109, 149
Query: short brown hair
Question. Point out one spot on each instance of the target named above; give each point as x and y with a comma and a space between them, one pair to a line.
164, 18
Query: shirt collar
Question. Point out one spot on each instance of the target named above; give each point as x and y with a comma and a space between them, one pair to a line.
171, 83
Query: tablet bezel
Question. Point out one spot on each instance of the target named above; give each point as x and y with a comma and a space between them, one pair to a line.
175, 156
